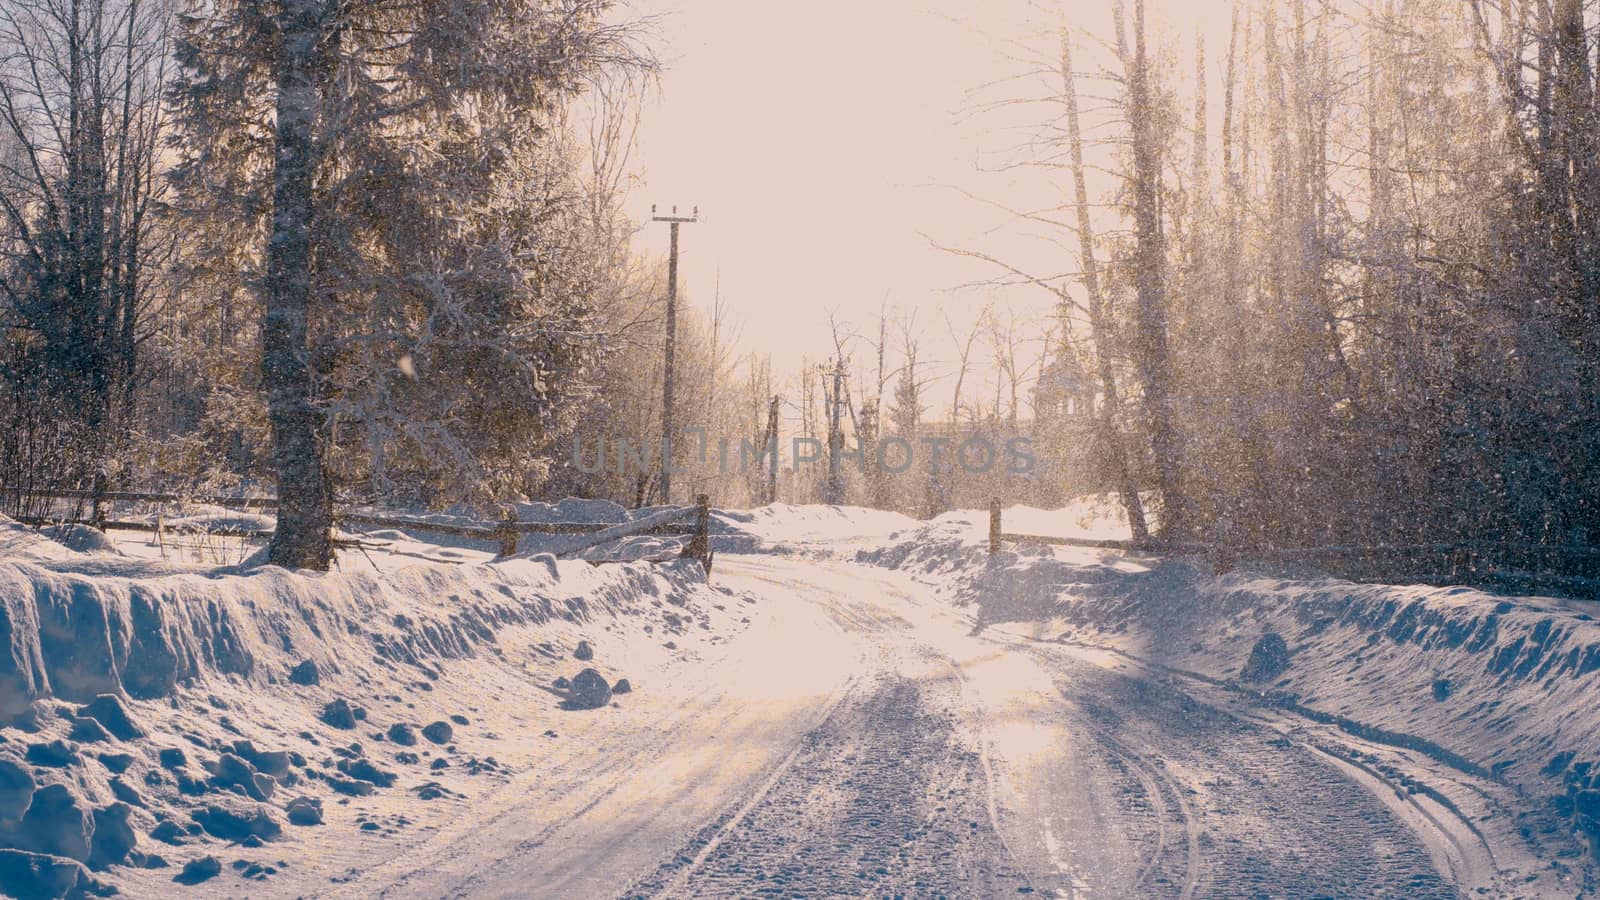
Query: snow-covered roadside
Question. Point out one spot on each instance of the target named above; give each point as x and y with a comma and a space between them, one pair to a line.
196, 538
1495, 685
818, 531
164, 717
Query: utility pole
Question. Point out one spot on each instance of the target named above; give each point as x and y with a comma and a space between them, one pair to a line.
674, 220
772, 445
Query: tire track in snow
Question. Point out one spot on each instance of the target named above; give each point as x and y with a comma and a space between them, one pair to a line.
730, 821
884, 738
1165, 794
882, 799
1261, 819
1460, 847
592, 808
1254, 819
880, 792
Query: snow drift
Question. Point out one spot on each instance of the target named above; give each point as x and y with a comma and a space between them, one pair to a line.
146, 707
74, 632
783, 528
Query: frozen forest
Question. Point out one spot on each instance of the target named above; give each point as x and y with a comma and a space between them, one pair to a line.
374, 254
681, 448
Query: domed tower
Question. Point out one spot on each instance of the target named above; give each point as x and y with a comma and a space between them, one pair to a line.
1064, 393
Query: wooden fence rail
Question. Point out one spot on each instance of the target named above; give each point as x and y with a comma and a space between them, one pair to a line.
143, 497
692, 522
1569, 569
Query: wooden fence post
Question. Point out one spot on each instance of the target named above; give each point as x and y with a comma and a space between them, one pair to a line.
994, 526
508, 533
699, 546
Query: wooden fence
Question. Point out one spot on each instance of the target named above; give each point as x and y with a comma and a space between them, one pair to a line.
693, 522
1499, 565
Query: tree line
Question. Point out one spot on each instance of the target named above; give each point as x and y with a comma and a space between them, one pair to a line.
361, 250
1363, 311
351, 248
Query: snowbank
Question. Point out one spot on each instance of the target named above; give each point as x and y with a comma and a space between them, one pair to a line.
785, 528
1094, 517
20, 542
171, 710
75, 635
81, 538
1501, 686
572, 509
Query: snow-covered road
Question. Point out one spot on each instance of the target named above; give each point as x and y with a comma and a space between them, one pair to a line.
859, 738
973, 763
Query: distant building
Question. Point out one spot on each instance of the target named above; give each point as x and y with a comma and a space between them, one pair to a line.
1064, 393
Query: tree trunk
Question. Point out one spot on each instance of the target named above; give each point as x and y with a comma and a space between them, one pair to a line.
302, 538
1112, 406
1150, 284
